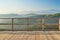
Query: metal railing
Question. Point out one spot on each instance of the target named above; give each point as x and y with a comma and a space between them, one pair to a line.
28, 23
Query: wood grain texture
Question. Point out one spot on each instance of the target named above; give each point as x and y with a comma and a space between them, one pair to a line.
29, 35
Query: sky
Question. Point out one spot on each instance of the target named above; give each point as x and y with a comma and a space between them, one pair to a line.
19, 6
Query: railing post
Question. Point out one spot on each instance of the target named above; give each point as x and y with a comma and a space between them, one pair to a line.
59, 23
27, 23
43, 24
12, 23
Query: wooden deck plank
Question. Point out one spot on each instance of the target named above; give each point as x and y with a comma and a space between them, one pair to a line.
38, 35
48, 36
2, 36
31, 37
55, 36
43, 36
5, 36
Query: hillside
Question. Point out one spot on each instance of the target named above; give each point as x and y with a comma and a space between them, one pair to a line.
31, 15
56, 15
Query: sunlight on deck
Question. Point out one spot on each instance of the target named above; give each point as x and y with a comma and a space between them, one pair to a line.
29, 35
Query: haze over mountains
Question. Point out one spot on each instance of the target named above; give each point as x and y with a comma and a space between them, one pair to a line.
33, 14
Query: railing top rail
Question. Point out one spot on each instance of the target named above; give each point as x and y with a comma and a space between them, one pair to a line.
29, 18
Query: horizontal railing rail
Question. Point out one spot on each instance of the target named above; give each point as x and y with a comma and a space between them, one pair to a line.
28, 22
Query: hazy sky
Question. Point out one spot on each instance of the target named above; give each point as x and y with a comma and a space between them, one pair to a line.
18, 6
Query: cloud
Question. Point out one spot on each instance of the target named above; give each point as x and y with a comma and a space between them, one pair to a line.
51, 11
8, 11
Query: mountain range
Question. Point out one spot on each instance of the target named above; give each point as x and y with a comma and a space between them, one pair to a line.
31, 15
